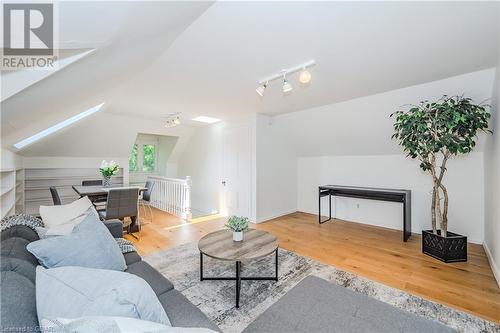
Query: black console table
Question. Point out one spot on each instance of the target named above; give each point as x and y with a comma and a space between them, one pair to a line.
382, 194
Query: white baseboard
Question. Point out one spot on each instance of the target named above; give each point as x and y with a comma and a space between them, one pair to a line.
273, 216
493, 265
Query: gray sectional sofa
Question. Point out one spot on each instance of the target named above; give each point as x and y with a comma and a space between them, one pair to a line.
18, 297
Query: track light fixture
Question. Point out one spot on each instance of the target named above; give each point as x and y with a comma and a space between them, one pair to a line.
287, 87
304, 77
173, 120
261, 89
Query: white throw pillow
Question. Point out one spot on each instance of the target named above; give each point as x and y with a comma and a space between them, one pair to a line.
73, 292
100, 324
65, 217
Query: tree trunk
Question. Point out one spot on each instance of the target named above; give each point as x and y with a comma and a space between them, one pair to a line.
433, 208
444, 218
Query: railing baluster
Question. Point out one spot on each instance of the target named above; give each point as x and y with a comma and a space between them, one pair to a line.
172, 195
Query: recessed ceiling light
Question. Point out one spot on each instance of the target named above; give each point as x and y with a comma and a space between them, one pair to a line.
40, 135
205, 119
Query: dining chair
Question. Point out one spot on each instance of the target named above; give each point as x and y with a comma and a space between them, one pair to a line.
145, 199
122, 203
55, 196
98, 201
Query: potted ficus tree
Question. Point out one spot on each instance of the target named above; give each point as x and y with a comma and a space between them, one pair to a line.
433, 133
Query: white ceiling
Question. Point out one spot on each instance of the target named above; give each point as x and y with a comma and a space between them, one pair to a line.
201, 58
361, 48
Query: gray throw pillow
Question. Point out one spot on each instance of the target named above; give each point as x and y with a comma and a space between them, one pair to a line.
89, 245
73, 292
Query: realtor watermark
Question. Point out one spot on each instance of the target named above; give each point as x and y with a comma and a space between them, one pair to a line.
29, 32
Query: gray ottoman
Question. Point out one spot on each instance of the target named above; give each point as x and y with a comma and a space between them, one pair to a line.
316, 305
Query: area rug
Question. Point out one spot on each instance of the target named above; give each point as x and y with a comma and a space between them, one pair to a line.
217, 298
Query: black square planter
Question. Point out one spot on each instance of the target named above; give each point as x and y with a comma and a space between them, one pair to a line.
452, 248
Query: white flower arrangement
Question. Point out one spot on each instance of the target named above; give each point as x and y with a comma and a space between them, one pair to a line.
109, 169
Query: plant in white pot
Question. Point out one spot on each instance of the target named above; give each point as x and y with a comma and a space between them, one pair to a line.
434, 132
237, 224
108, 169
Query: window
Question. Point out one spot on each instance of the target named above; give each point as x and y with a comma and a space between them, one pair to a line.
40, 135
132, 162
148, 158
143, 157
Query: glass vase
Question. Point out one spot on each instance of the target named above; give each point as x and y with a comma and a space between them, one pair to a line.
106, 181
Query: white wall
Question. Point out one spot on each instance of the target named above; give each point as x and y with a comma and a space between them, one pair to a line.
363, 126
202, 161
349, 143
464, 181
492, 185
276, 172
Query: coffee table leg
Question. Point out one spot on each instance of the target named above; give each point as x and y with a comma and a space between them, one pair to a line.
201, 266
276, 265
238, 283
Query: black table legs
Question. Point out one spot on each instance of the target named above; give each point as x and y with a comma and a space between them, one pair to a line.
329, 207
238, 283
238, 278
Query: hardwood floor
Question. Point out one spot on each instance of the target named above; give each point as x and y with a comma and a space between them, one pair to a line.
373, 252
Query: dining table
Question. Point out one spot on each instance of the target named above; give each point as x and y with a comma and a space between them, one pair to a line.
97, 192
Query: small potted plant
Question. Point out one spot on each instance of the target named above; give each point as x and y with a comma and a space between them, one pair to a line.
107, 170
237, 225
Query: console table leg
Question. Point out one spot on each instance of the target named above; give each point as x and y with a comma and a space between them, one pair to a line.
238, 283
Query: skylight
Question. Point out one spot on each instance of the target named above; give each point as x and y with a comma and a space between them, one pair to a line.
205, 119
40, 135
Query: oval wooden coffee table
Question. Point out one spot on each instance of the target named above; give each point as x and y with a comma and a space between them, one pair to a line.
220, 245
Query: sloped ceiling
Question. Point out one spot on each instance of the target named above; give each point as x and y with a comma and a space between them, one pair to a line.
134, 34
363, 126
200, 58
361, 48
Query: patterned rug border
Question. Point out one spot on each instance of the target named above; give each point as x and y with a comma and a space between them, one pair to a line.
235, 320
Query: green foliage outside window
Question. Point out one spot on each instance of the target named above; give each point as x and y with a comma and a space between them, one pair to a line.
149, 157
132, 162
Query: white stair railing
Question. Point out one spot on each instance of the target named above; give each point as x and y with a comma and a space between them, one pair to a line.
172, 195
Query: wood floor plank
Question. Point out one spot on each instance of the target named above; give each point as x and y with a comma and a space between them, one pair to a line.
372, 252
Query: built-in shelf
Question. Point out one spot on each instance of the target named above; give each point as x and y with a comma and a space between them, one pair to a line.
8, 193
66, 177
38, 180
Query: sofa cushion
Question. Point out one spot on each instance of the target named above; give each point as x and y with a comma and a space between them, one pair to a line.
89, 245
131, 257
15, 247
115, 227
71, 214
18, 303
72, 292
19, 266
20, 231
158, 282
100, 324
182, 313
